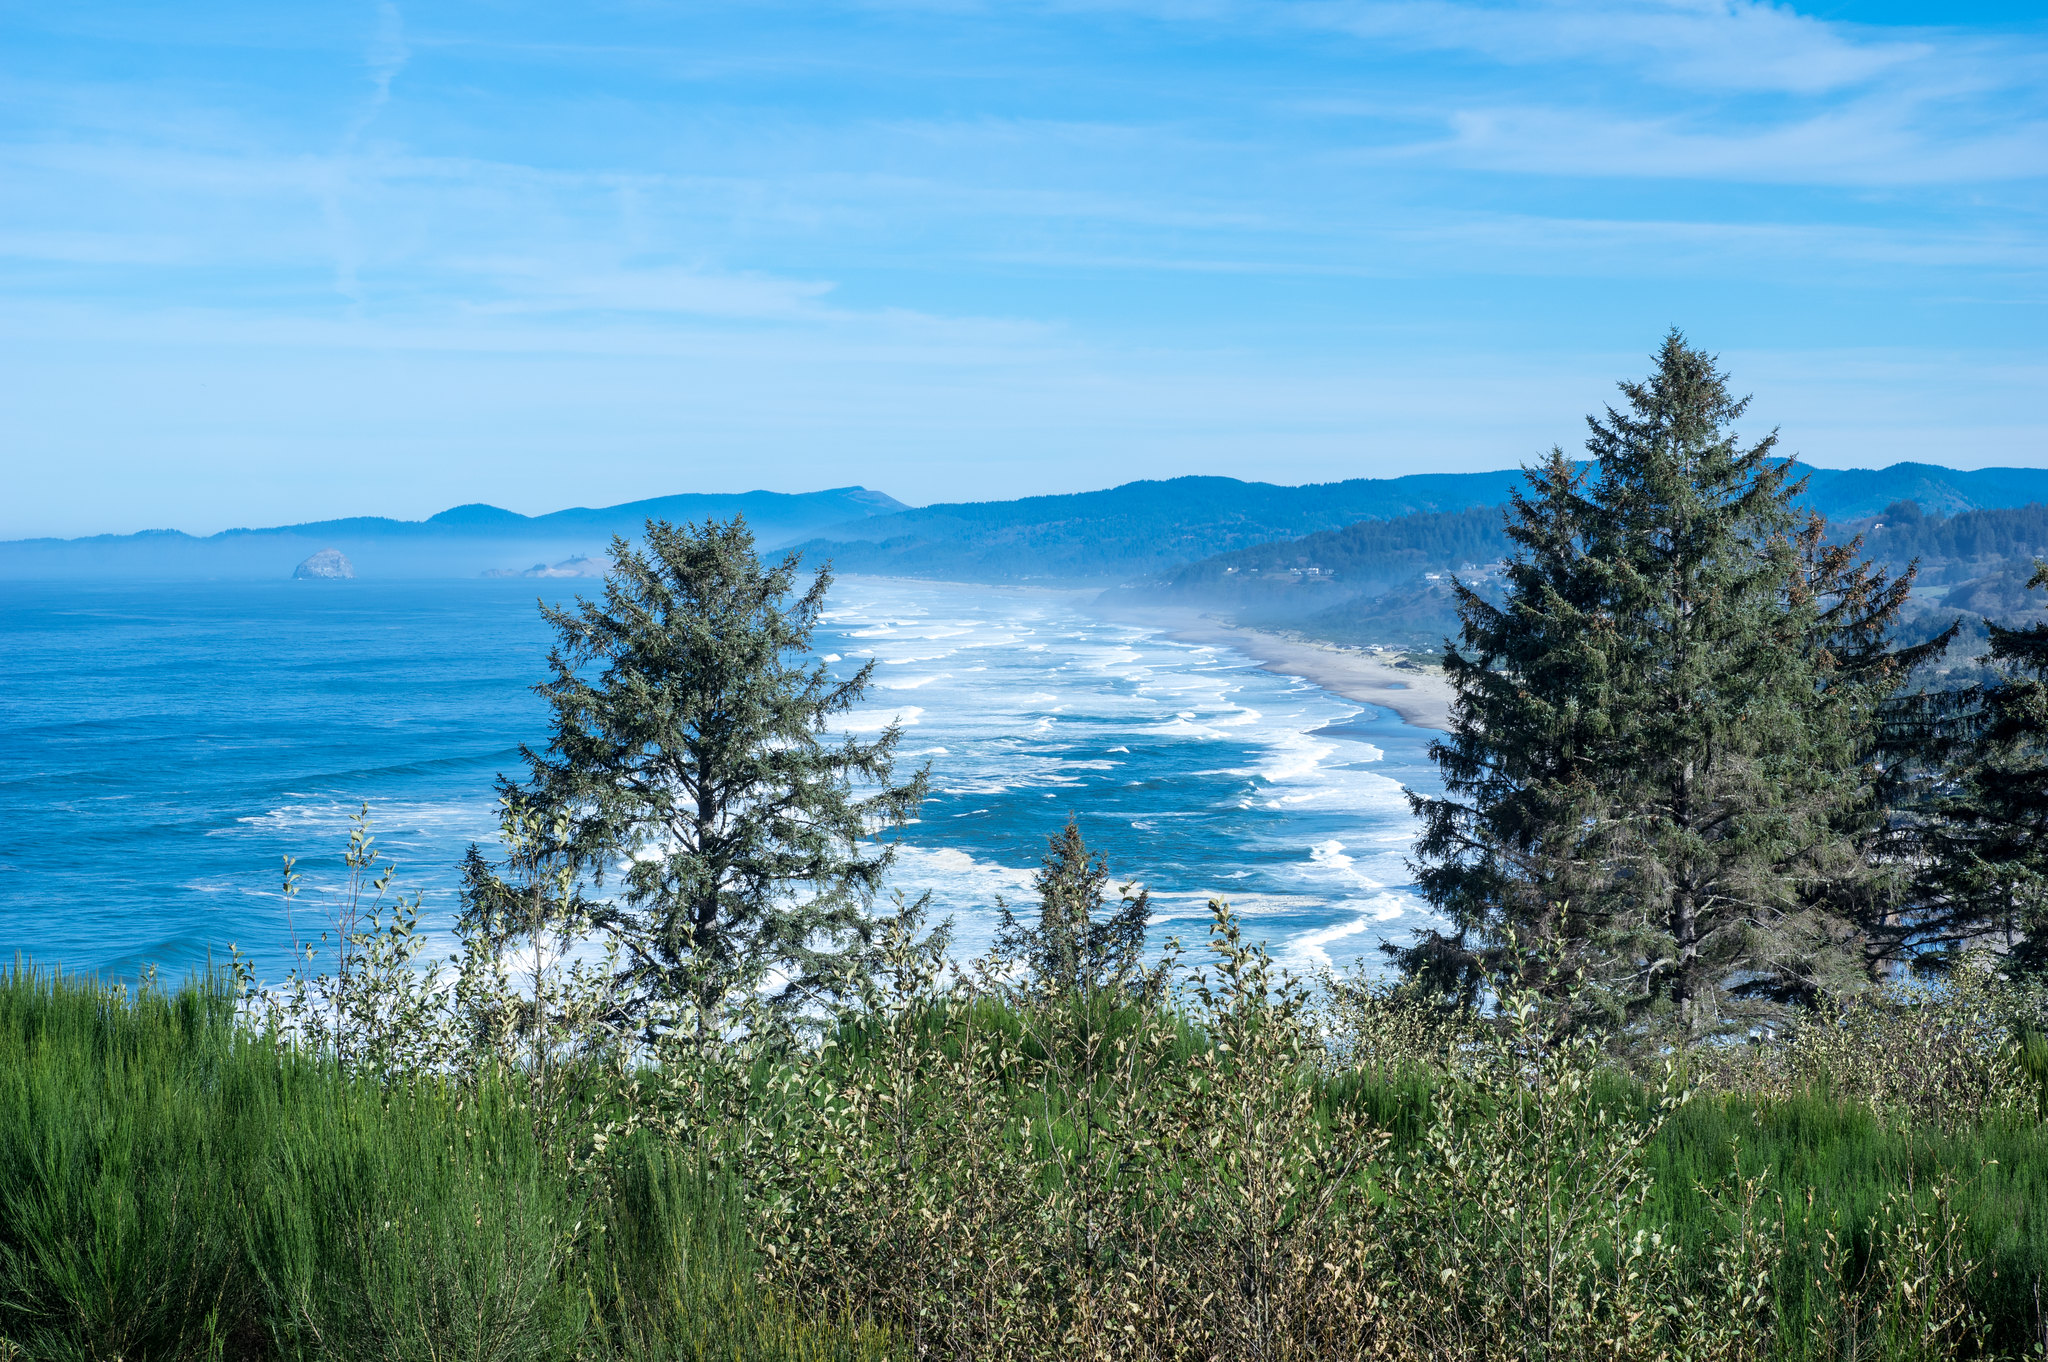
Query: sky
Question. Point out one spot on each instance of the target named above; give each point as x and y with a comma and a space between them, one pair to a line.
266, 263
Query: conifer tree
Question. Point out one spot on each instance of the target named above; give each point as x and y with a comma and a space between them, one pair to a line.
1659, 788
1075, 946
1985, 836
690, 758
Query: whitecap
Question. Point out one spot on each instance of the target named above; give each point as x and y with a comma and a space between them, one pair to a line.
1311, 949
874, 721
913, 682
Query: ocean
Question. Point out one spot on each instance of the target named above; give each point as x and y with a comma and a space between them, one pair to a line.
162, 746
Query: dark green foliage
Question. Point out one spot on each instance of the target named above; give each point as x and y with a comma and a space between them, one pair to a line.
173, 1187
1075, 946
415, 1221
674, 1273
690, 741
1658, 787
1982, 828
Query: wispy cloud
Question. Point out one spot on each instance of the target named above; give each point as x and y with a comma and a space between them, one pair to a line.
1716, 45
1869, 143
1289, 238
384, 57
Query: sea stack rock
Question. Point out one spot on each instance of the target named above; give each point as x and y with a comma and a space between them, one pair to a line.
327, 565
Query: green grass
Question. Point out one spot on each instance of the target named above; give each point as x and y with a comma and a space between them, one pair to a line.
1835, 1164
174, 1187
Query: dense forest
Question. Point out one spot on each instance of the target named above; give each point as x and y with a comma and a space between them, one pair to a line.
1950, 548
1297, 577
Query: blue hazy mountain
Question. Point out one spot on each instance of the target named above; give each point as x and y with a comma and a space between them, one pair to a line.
1152, 529
1134, 530
1854, 493
1974, 539
461, 542
1140, 530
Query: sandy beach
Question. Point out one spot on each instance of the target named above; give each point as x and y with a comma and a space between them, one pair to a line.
1419, 694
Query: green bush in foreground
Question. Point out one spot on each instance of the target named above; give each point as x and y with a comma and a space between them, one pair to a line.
1222, 1164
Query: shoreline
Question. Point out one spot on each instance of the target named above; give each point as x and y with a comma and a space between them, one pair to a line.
1420, 695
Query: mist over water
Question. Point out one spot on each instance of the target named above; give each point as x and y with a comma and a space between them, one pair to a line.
162, 746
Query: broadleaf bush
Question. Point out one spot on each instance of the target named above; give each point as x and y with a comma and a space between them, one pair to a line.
474, 1159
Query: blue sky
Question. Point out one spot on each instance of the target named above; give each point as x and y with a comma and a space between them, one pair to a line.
268, 262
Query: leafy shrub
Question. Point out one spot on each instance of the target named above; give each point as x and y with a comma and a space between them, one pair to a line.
1212, 1161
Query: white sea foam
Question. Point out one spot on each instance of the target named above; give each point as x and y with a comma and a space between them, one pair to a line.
874, 721
1311, 950
1331, 854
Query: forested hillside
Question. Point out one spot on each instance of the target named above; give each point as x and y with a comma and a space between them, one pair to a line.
1298, 578
1138, 529
1390, 582
1950, 549
1144, 530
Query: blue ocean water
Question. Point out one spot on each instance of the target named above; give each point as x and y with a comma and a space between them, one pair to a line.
163, 746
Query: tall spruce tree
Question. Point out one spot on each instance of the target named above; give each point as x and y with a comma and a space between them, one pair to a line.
691, 757
1659, 792
1984, 833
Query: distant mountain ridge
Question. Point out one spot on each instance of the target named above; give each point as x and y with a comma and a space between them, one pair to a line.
1974, 536
1148, 530
1133, 530
463, 541
1853, 493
